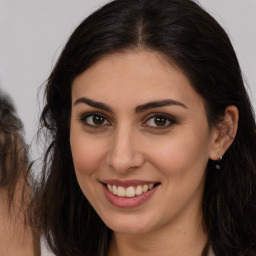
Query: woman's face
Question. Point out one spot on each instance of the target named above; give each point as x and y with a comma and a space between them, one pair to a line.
140, 142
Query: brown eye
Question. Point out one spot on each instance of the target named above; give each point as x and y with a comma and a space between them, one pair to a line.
160, 121
95, 120
98, 120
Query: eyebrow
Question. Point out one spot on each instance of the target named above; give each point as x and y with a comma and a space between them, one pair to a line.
94, 104
138, 109
158, 104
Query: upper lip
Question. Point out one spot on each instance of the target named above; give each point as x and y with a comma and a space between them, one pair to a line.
127, 183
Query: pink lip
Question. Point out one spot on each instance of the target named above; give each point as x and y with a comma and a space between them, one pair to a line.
127, 183
127, 202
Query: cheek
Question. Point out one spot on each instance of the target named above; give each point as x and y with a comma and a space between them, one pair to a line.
86, 152
182, 154
84, 158
87, 158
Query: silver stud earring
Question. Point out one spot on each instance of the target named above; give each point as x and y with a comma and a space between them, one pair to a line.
217, 166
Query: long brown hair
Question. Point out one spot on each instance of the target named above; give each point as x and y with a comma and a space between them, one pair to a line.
13, 153
15, 189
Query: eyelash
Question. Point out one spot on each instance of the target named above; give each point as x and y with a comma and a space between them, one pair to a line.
166, 118
93, 115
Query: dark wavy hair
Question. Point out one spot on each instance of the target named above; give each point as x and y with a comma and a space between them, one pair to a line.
191, 39
15, 167
13, 153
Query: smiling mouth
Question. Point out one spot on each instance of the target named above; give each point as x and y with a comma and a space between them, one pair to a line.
131, 191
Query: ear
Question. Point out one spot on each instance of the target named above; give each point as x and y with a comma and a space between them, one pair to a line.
225, 132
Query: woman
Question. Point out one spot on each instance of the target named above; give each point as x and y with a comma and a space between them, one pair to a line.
152, 137
15, 236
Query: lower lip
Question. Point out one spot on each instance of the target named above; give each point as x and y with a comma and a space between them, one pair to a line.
128, 202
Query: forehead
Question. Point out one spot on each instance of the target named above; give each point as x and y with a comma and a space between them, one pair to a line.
137, 76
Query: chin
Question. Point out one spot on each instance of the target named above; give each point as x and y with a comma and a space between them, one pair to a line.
129, 226
131, 230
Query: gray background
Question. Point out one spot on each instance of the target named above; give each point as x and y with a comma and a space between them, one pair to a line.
33, 32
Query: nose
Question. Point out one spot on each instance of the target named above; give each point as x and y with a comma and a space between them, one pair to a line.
124, 154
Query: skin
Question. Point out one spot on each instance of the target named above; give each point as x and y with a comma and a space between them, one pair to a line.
15, 236
130, 144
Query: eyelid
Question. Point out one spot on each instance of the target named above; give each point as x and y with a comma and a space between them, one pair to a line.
172, 120
83, 117
168, 117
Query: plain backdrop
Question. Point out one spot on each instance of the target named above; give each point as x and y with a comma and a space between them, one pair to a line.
33, 32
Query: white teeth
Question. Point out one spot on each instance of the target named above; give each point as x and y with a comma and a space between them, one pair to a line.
131, 191
121, 191
114, 188
139, 190
109, 188
145, 188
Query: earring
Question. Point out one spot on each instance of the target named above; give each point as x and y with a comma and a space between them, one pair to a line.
217, 166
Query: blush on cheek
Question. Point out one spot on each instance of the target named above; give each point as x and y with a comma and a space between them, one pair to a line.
87, 156
180, 155
172, 156
84, 162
